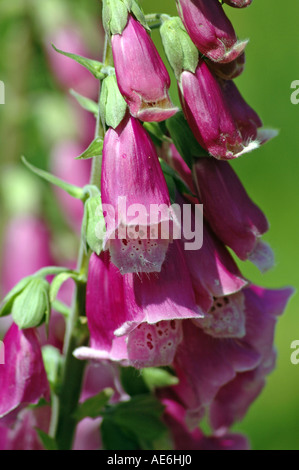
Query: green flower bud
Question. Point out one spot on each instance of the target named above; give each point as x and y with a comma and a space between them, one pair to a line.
112, 104
93, 225
30, 307
182, 54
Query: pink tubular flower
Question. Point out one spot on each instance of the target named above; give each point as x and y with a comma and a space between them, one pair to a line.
244, 116
204, 363
213, 271
233, 400
232, 215
133, 183
184, 439
23, 378
210, 29
144, 309
141, 75
208, 114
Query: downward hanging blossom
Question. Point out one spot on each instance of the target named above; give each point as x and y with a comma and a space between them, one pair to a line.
232, 215
23, 378
210, 29
135, 199
142, 77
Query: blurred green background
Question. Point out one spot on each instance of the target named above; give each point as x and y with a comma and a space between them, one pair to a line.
37, 114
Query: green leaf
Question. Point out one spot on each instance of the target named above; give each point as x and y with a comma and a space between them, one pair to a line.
93, 225
86, 103
93, 407
94, 149
48, 442
31, 305
183, 138
140, 416
72, 190
93, 66
53, 361
156, 377
115, 437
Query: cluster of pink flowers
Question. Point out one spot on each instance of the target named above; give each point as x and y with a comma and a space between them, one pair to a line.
149, 302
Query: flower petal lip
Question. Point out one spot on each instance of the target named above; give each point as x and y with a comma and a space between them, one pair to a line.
142, 77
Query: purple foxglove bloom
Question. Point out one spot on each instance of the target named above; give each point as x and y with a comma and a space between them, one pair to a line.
141, 75
262, 308
213, 271
238, 3
244, 116
133, 183
210, 29
204, 364
184, 439
23, 378
232, 215
145, 309
21, 434
208, 113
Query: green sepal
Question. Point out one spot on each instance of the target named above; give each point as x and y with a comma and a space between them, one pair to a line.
180, 51
93, 224
183, 138
115, 15
93, 406
72, 190
112, 105
139, 15
93, 66
86, 103
93, 150
31, 306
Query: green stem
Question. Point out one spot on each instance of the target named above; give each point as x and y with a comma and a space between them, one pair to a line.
65, 401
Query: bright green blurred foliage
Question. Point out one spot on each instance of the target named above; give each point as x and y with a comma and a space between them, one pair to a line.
36, 114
